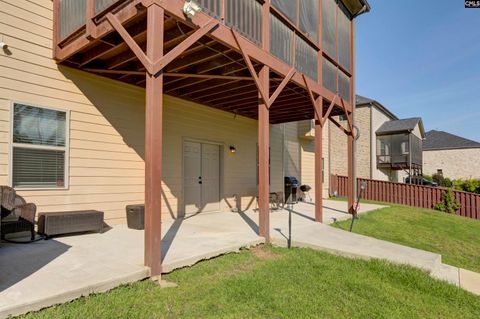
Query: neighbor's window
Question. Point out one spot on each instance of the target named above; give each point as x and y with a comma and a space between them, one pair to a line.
39, 145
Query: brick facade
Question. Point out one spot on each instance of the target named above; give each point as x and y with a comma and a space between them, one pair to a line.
455, 163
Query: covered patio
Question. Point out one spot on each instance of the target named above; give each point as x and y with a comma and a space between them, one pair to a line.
256, 61
49, 272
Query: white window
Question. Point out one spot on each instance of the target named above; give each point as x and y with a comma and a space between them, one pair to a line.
39, 147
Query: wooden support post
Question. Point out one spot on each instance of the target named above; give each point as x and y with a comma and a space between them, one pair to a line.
89, 24
318, 160
351, 178
264, 159
153, 144
56, 27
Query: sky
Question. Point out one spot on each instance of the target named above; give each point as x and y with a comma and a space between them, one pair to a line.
421, 58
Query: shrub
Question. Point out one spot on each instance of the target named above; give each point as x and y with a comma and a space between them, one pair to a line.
442, 181
448, 204
469, 185
428, 178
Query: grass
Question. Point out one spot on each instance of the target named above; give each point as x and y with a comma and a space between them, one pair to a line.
280, 283
456, 238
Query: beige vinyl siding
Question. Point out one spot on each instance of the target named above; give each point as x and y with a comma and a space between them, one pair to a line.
308, 162
300, 154
106, 147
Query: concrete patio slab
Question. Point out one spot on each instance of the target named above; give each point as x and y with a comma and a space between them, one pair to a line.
45, 273
50, 272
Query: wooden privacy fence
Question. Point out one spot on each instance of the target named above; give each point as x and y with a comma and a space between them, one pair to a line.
406, 194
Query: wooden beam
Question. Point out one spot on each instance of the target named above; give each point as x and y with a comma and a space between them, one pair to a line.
153, 144
106, 71
209, 76
319, 161
351, 178
312, 98
282, 85
263, 95
347, 132
263, 160
349, 119
184, 45
329, 111
117, 25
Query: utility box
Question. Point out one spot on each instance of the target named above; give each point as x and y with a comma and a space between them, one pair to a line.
136, 216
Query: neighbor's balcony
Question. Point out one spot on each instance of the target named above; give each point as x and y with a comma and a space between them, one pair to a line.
399, 151
295, 35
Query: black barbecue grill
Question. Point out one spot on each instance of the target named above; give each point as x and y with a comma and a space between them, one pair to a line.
291, 186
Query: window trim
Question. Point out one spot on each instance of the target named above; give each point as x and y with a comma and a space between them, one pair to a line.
65, 148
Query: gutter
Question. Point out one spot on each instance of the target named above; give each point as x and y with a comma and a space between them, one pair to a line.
366, 8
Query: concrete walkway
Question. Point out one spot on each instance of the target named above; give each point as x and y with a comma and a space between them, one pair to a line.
49, 272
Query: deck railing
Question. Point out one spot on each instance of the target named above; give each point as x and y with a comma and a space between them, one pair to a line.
407, 194
244, 16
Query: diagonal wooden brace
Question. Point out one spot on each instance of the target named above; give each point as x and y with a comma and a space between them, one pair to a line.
157, 66
280, 88
339, 125
267, 99
349, 121
330, 108
313, 100
263, 91
117, 25
184, 45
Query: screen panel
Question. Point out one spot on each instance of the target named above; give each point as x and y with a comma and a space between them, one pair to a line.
306, 58
344, 39
309, 18
329, 27
329, 75
287, 7
281, 40
343, 86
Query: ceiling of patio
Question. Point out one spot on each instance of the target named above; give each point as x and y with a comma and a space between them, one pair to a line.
111, 57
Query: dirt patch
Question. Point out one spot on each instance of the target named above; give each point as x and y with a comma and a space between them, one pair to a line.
262, 253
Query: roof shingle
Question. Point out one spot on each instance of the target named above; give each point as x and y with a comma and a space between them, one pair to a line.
440, 140
398, 126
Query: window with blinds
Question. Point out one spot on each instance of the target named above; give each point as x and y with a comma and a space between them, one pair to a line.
39, 146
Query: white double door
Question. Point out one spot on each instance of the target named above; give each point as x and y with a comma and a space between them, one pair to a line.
201, 177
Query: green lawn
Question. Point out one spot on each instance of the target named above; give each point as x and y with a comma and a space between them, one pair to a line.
456, 238
279, 283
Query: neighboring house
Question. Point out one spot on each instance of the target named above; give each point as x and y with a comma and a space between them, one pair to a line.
142, 104
450, 155
399, 148
370, 115
383, 145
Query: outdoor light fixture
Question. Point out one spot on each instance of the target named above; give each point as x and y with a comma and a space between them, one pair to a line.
190, 8
233, 149
3, 46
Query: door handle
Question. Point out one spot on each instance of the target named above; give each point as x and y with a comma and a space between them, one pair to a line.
200, 182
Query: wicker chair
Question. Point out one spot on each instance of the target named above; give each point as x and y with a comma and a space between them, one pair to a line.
16, 214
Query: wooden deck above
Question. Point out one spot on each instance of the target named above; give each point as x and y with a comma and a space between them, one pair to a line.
212, 71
